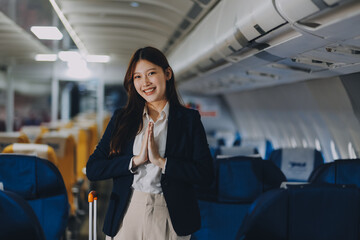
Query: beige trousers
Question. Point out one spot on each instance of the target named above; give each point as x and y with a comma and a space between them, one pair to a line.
147, 218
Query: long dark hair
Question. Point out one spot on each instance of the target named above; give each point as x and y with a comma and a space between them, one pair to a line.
129, 123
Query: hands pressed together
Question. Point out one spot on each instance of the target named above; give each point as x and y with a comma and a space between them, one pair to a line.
149, 151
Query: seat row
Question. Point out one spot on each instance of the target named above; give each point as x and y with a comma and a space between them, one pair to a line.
246, 202
296, 163
32, 187
67, 145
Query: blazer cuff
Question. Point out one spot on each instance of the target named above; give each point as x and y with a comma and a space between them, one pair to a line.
163, 170
131, 169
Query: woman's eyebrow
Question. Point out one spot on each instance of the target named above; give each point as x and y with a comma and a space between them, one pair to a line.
146, 70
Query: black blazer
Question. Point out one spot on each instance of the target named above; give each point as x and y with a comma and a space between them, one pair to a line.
188, 162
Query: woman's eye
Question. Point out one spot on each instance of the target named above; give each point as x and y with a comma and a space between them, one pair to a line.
151, 73
136, 77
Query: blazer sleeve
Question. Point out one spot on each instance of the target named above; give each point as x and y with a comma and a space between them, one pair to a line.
100, 166
199, 169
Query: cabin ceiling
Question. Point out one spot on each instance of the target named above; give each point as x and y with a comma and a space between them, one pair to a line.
213, 46
16, 44
118, 28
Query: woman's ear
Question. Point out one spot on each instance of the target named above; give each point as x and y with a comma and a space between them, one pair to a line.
168, 73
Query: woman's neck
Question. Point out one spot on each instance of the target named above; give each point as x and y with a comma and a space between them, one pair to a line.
154, 109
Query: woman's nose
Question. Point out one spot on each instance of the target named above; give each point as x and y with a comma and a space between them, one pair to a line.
146, 81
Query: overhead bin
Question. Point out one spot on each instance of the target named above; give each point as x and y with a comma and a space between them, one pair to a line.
229, 27
329, 19
270, 40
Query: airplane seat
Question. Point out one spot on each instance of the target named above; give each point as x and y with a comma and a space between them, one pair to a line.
238, 151
264, 146
237, 140
297, 163
309, 211
18, 220
82, 137
64, 146
40, 150
82, 140
212, 141
40, 183
344, 171
214, 151
7, 138
239, 181
33, 132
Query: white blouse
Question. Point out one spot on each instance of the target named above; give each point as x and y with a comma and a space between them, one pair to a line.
147, 176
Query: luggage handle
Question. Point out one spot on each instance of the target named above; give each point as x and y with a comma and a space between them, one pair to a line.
92, 199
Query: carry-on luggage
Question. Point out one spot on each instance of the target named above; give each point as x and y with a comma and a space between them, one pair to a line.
92, 199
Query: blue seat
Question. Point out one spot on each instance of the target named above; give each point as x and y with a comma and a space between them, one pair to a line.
311, 212
17, 219
238, 151
239, 181
297, 163
40, 183
263, 146
346, 171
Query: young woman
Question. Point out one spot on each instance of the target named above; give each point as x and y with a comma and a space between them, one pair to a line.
155, 150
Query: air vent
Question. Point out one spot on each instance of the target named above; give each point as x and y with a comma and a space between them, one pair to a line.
312, 62
194, 11
213, 65
262, 75
185, 24
293, 68
344, 50
205, 2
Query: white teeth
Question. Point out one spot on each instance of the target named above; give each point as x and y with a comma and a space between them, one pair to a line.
149, 90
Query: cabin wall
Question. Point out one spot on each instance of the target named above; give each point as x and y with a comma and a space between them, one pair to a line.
215, 114
316, 113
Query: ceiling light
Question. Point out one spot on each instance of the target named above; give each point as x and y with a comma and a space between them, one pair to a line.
98, 58
134, 4
68, 56
45, 57
47, 33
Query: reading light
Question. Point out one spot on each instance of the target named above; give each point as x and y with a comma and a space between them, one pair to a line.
47, 33
134, 4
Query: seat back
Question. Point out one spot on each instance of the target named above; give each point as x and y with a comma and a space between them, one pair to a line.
7, 138
65, 150
243, 179
311, 212
33, 131
297, 163
238, 151
239, 181
263, 146
82, 137
346, 171
41, 150
40, 183
18, 220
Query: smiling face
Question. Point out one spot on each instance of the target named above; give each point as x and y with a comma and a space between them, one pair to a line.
150, 82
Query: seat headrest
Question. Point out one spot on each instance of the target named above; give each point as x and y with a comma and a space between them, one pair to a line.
40, 150
30, 177
344, 171
297, 163
242, 179
238, 151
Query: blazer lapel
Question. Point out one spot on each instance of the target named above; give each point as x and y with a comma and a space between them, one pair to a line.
174, 124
